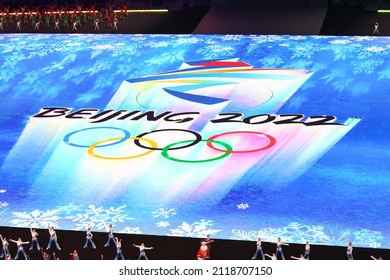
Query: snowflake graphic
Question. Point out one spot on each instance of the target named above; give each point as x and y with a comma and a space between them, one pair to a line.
3, 204
162, 224
36, 218
293, 232
99, 217
165, 213
374, 245
243, 206
197, 229
129, 230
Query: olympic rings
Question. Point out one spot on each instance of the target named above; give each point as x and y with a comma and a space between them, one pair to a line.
194, 142
152, 146
92, 147
271, 141
227, 152
120, 140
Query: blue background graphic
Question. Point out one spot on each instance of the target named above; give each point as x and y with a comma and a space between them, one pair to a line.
344, 195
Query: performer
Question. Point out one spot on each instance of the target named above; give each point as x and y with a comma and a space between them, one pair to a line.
349, 251
273, 257
208, 241
75, 255
20, 244
376, 28
376, 259
46, 256
53, 239
259, 249
34, 239
279, 250
111, 236
202, 255
301, 258
96, 26
118, 243
57, 24
203, 252
142, 249
89, 236
5, 243
306, 255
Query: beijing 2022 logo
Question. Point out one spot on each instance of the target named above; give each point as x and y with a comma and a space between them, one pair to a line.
229, 105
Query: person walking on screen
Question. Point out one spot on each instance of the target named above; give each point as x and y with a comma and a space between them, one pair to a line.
142, 253
259, 249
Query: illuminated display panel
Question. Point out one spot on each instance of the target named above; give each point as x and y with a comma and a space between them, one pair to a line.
189, 135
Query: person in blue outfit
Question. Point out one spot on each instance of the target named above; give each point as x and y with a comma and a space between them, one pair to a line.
34, 239
279, 250
53, 239
88, 237
111, 236
142, 253
259, 249
19, 244
119, 253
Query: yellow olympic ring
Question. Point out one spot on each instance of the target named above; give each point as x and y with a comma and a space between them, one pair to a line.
92, 147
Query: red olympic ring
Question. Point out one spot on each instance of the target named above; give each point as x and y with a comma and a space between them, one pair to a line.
271, 143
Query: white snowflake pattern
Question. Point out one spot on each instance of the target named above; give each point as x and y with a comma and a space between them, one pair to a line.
3, 191
3, 204
99, 217
375, 49
340, 42
129, 230
162, 224
375, 245
161, 212
197, 229
243, 206
36, 218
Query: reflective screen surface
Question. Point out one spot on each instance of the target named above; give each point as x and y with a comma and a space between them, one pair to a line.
188, 135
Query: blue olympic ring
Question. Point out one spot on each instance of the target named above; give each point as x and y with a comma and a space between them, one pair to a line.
126, 132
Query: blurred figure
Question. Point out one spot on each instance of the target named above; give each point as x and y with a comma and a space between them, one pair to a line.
75, 255
5, 244
34, 239
142, 253
349, 251
89, 236
376, 28
259, 249
19, 244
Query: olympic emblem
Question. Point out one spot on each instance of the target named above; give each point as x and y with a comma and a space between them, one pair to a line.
215, 84
150, 145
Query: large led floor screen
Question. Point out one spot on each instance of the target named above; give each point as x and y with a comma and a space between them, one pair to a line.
189, 135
